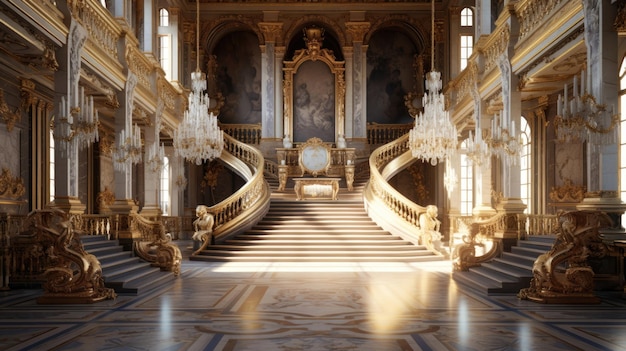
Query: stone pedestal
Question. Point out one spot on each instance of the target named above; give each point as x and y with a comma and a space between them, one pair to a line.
511, 207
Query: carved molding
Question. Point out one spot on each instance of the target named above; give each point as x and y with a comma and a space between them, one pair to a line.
10, 118
568, 192
11, 187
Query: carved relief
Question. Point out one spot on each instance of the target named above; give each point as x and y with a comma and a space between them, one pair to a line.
11, 187
9, 118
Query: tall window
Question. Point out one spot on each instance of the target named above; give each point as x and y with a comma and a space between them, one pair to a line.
165, 187
622, 145
467, 182
165, 44
165, 54
525, 165
51, 168
467, 36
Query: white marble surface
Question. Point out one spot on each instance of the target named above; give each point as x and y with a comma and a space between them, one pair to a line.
348, 306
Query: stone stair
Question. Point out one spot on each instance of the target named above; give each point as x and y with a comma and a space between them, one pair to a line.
122, 271
509, 273
316, 230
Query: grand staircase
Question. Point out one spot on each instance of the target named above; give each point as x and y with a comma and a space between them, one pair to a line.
316, 231
122, 271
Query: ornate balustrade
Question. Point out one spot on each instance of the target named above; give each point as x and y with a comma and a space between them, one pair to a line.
378, 134
245, 133
248, 204
389, 208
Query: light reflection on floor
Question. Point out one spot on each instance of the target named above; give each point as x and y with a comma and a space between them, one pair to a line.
311, 306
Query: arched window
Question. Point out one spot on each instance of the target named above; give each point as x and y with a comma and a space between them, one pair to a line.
164, 18
165, 187
467, 36
467, 182
525, 165
467, 17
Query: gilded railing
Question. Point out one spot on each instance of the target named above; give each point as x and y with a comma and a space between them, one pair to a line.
385, 204
378, 134
542, 224
244, 206
245, 133
155, 245
103, 30
478, 244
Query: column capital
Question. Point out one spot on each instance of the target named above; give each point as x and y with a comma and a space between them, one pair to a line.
357, 30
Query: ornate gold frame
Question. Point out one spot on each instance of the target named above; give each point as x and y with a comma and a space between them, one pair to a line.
314, 157
313, 52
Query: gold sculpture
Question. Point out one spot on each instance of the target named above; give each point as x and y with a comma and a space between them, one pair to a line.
73, 275
429, 230
203, 225
562, 274
155, 245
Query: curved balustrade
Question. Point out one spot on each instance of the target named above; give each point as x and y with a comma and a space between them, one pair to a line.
245, 133
389, 208
247, 205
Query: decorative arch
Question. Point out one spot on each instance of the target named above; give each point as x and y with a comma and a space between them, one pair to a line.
311, 111
395, 82
234, 82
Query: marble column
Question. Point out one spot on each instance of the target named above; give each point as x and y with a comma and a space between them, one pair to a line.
124, 203
271, 74
358, 78
152, 169
66, 80
602, 160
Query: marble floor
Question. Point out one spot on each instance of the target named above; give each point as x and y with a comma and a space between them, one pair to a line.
288, 307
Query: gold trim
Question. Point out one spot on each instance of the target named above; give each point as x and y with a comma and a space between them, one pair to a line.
11, 187
314, 52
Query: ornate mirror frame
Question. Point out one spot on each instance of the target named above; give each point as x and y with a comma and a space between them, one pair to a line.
314, 157
313, 38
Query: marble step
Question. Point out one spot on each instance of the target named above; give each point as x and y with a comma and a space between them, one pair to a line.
121, 270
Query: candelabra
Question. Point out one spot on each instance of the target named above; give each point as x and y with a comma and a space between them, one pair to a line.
582, 119
450, 179
128, 150
77, 125
478, 151
504, 143
155, 158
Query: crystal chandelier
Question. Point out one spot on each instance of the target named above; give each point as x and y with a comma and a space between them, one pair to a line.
77, 125
582, 119
434, 136
128, 151
198, 137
